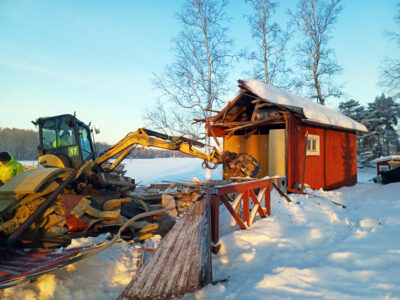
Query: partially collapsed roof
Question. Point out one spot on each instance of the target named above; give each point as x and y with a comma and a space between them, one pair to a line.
311, 111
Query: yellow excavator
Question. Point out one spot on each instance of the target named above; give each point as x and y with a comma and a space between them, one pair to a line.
72, 193
72, 188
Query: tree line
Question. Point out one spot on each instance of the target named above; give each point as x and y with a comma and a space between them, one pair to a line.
20, 143
23, 145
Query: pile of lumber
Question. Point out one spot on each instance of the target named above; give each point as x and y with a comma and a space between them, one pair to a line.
183, 194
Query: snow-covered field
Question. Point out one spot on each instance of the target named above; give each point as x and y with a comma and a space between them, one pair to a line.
307, 249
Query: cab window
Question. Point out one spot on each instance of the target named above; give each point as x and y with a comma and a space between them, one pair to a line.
57, 133
84, 137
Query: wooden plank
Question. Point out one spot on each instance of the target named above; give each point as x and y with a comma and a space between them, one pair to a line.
243, 186
30, 181
182, 262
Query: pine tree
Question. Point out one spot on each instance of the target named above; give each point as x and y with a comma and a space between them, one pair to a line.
352, 109
381, 118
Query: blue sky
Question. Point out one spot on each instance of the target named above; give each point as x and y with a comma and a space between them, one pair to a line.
97, 57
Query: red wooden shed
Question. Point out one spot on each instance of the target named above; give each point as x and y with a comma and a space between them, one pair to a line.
386, 163
289, 135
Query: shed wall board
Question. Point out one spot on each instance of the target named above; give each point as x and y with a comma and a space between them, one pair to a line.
276, 152
293, 163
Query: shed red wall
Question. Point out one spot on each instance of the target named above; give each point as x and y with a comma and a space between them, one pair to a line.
336, 165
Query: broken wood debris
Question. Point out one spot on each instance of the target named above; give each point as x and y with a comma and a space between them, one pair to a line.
281, 192
324, 198
184, 193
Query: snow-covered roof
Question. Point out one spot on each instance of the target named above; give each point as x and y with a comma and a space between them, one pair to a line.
386, 158
312, 111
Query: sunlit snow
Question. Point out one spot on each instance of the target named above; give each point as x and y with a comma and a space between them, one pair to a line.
307, 249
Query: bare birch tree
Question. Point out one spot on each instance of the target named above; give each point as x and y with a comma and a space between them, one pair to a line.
315, 18
191, 86
390, 68
269, 58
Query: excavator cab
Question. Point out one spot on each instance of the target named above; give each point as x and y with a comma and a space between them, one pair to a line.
65, 141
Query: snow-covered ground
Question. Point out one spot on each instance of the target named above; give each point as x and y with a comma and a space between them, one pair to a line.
307, 249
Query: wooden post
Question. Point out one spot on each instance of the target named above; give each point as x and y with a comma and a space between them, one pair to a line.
215, 246
246, 208
267, 197
304, 162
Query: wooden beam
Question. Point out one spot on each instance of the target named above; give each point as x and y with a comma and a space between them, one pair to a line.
257, 100
249, 124
233, 212
261, 105
281, 192
250, 133
234, 124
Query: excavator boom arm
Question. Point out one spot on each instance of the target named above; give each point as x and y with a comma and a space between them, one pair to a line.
241, 164
147, 138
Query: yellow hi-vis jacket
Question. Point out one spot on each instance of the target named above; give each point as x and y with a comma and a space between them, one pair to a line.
60, 143
10, 169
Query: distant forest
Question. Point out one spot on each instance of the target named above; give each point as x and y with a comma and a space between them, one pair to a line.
23, 144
